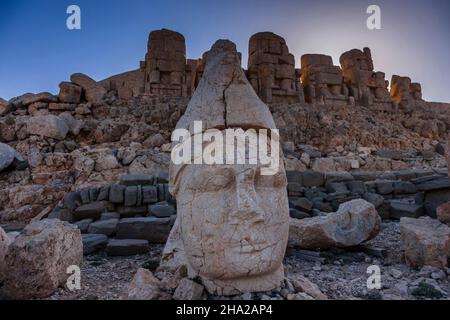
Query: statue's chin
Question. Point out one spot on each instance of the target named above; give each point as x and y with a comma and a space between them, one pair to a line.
236, 286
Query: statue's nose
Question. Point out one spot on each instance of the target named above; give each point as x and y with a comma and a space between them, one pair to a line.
247, 207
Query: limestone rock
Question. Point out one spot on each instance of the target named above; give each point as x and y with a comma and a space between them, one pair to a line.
5, 107
30, 98
37, 260
4, 243
93, 243
426, 241
144, 286
188, 290
302, 284
355, 222
49, 126
443, 213
7, 156
126, 247
69, 92
73, 124
93, 92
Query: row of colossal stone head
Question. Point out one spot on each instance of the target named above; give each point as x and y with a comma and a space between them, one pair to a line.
271, 72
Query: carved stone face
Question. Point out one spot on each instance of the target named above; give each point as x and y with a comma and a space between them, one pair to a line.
234, 221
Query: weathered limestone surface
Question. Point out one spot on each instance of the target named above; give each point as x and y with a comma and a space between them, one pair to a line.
93, 91
232, 223
49, 126
426, 241
144, 286
4, 243
69, 92
271, 69
37, 260
7, 156
355, 222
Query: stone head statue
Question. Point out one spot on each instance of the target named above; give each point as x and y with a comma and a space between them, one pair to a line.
232, 224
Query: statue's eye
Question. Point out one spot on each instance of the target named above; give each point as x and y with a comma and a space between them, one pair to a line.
271, 181
216, 182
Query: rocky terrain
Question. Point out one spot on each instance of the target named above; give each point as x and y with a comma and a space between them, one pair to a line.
95, 158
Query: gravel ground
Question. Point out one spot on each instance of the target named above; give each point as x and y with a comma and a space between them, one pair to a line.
340, 274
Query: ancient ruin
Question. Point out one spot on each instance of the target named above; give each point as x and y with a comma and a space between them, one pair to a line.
363, 180
271, 69
322, 81
366, 86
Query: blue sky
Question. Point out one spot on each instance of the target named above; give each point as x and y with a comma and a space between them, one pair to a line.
37, 51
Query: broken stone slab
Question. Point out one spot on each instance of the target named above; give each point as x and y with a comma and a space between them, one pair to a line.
103, 193
83, 225
117, 193
302, 284
294, 177
110, 215
297, 214
399, 209
8, 156
384, 187
149, 194
37, 260
130, 212
443, 213
92, 210
127, 247
337, 187
131, 195
354, 223
69, 92
137, 180
143, 286
162, 210
357, 187
429, 183
62, 214
313, 179
155, 230
93, 92
72, 200
426, 241
303, 204
49, 126
433, 199
106, 227
30, 98
4, 243
93, 243
339, 177
404, 187
188, 290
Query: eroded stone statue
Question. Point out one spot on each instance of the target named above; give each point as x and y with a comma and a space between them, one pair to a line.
233, 222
